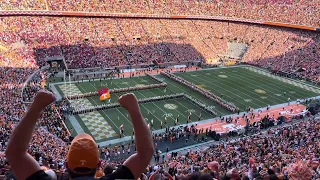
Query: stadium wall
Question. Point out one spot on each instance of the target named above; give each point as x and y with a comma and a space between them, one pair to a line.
152, 16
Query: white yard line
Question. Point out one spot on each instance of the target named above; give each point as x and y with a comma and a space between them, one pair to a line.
153, 103
199, 100
104, 113
240, 97
282, 84
163, 100
244, 89
226, 89
143, 107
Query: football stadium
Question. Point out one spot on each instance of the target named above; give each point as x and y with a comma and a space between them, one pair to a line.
143, 89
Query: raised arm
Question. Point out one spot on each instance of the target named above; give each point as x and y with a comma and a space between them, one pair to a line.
22, 163
138, 162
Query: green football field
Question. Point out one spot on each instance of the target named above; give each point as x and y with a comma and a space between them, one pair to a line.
246, 88
239, 85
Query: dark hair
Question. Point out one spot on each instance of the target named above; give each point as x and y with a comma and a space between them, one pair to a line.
181, 177
193, 176
199, 176
273, 177
270, 171
108, 170
245, 177
83, 171
205, 176
259, 178
159, 176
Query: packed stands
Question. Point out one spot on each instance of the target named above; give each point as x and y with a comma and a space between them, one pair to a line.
88, 42
6, 5
286, 11
27, 41
297, 141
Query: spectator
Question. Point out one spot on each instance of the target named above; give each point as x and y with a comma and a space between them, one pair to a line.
83, 155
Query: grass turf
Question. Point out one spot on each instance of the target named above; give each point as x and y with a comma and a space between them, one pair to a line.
245, 88
240, 86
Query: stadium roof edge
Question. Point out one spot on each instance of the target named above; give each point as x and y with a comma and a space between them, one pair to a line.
150, 16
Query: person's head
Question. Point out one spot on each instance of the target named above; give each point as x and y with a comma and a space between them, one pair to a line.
199, 176
160, 176
83, 157
273, 177
51, 174
108, 170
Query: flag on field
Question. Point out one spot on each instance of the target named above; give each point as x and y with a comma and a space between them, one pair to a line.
105, 96
103, 91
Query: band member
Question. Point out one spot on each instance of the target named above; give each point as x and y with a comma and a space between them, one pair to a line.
189, 118
121, 129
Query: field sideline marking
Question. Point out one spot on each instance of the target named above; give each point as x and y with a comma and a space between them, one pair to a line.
282, 83
279, 83
124, 116
285, 80
304, 83
244, 89
182, 104
153, 102
146, 108
230, 93
272, 89
187, 107
258, 86
199, 100
164, 101
102, 111
107, 114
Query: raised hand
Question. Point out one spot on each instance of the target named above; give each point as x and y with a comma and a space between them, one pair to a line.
43, 99
128, 101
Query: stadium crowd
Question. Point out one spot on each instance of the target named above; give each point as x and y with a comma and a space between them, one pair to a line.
286, 152
287, 11
101, 42
49, 150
